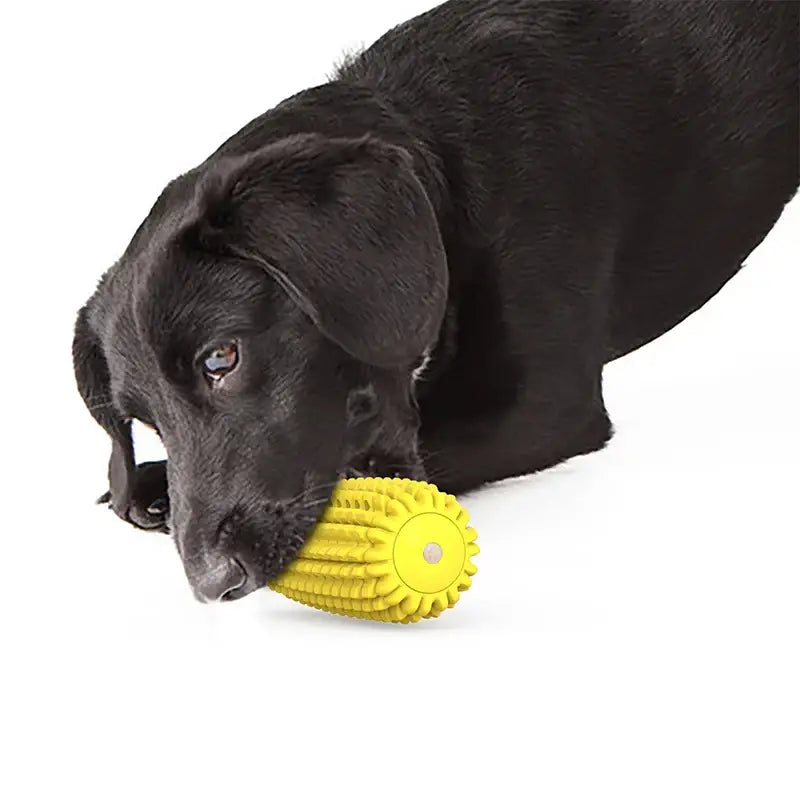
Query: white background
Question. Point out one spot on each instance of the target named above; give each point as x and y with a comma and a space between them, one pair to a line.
632, 631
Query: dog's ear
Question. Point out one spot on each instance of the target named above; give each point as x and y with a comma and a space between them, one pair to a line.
91, 374
348, 231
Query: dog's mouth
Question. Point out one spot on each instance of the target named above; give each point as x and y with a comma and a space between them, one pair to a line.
257, 541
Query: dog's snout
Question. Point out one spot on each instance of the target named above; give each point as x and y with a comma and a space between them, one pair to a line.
229, 555
220, 581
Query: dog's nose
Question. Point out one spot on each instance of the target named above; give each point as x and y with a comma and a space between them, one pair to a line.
220, 580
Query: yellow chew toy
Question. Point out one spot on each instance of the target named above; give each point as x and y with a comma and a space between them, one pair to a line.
388, 549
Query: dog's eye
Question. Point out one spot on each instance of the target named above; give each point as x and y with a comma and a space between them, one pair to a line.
220, 361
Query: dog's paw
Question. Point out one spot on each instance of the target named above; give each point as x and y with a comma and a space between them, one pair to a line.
149, 508
150, 500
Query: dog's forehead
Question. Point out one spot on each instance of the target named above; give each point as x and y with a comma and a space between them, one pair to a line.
132, 302
169, 296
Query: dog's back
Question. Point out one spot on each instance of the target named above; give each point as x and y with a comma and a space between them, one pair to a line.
722, 159
671, 126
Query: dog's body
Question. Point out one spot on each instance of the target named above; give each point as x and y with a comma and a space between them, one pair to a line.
468, 221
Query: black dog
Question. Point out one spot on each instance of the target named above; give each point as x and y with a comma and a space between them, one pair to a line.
421, 267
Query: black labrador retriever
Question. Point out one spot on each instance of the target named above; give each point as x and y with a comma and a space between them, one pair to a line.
420, 267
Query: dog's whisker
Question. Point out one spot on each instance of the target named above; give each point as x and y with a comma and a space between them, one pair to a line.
309, 491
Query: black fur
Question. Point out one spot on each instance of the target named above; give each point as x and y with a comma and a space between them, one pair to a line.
502, 196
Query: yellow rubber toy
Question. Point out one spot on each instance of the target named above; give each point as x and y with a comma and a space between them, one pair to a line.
387, 549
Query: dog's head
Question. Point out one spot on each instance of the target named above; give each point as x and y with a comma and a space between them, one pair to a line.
265, 320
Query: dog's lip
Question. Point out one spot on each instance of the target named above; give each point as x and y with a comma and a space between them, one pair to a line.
351, 473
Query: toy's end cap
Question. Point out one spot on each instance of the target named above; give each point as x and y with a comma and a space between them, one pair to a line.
429, 552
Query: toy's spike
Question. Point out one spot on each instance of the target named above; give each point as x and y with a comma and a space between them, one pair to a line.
388, 549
